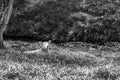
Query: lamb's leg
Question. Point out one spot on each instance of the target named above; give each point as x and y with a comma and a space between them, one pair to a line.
33, 51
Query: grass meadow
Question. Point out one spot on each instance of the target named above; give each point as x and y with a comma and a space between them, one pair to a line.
66, 61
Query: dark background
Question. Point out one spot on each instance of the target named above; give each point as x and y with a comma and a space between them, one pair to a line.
93, 21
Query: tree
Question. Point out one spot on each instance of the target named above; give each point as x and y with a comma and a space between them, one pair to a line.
5, 13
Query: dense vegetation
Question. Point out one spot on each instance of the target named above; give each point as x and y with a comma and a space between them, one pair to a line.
62, 21
67, 20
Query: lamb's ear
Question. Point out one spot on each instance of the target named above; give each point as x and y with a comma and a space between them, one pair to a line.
49, 41
40, 44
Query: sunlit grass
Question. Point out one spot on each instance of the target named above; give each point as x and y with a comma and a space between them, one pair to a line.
55, 66
27, 71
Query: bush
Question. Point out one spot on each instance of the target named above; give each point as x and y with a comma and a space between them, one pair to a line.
90, 22
49, 21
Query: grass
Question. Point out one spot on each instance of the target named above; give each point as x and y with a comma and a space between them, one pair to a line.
66, 62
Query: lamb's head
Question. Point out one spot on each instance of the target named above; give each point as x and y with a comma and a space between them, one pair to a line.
46, 44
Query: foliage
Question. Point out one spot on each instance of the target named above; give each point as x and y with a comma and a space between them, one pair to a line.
50, 20
67, 20
99, 22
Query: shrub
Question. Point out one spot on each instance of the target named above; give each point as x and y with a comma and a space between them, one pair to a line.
90, 21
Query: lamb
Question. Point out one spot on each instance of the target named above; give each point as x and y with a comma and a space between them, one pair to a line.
44, 48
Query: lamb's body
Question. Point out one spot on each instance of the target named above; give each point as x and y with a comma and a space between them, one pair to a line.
44, 48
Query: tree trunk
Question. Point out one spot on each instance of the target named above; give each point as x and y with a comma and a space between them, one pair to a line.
2, 29
4, 21
1, 40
